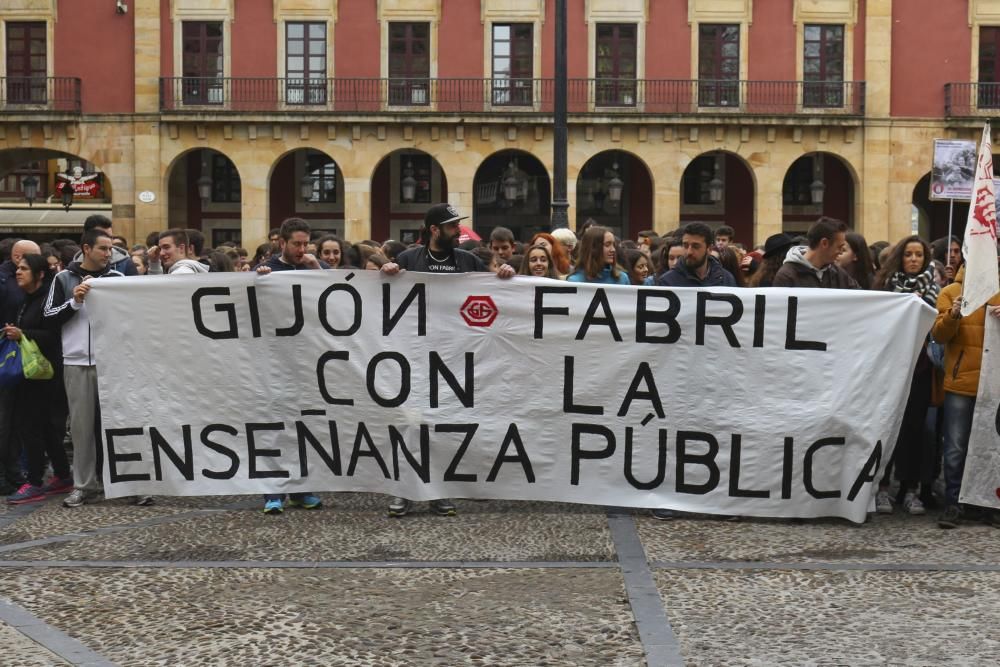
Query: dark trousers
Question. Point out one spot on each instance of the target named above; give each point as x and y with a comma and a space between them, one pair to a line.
914, 454
40, 424
958, 412
10, 449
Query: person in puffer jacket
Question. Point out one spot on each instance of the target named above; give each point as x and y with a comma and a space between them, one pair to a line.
962, 338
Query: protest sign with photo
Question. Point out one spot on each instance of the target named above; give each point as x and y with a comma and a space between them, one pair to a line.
953, 170
756, 402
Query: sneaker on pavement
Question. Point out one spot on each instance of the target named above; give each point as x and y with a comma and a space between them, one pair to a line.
912, 504
56, 486
142, 501
665, 514
950, 517
76, 498
307, 501
28, 493
443, 507
883, 504
399, 506
274, 506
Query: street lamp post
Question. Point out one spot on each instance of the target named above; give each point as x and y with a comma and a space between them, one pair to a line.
306, 186
30, 186
560, 203
67, 195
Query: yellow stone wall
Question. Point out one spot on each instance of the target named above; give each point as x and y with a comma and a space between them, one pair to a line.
138, 156
886, 156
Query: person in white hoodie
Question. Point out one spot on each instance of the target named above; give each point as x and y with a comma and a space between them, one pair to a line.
171, 255
66, 309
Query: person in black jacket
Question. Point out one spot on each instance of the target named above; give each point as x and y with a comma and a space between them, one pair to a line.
438, 253
39, 405
11, 298
292, 256
698, 268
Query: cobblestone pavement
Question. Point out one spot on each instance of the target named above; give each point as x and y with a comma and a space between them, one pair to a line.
213, 581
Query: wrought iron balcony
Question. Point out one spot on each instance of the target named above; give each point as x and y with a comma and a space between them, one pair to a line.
469, 96
971, 100
33, 94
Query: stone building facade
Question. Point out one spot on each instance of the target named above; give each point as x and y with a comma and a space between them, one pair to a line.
230, 115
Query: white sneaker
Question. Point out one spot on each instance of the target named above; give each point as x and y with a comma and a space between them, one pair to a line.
912, 504
883, 505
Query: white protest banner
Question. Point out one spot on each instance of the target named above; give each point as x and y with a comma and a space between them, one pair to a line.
982, 279
953, 170
757, 402
981, 478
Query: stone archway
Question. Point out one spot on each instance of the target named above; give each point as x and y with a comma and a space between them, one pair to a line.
307, 183
512, 189
815, 185
404, 185
615, 189
718, 188
65, 189
204, 191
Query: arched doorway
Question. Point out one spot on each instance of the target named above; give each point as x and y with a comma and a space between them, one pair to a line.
204, 193
615, 189
932, 215
817, 184
61, 190
307, 183
512, 190
405, 184
718, 189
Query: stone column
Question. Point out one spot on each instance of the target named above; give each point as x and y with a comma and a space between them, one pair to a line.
358, 209
149, 172
253, 207
770, 207
874, 187
460, 192
666, 206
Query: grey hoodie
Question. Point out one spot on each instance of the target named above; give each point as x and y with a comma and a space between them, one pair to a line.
181, 266
797, 255
187, 266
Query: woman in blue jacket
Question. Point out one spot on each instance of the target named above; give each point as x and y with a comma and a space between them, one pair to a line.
597, 259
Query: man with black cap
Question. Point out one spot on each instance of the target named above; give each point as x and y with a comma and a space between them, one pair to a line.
437, 253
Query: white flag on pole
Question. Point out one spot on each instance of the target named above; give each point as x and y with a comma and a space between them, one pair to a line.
982, 280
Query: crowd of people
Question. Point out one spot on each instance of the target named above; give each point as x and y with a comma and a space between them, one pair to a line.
43, 292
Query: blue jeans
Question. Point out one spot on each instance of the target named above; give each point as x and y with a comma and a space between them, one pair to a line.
958, 412
281, 496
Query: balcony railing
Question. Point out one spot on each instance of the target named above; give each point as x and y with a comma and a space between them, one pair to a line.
363, 96
31, 94
971, 100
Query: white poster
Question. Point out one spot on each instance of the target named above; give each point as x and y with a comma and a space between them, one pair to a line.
980, 245
754, 402
953, 170
981, 479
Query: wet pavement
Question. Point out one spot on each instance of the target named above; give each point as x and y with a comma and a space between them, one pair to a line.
213, 581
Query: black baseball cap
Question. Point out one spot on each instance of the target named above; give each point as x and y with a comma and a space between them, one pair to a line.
442, 214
